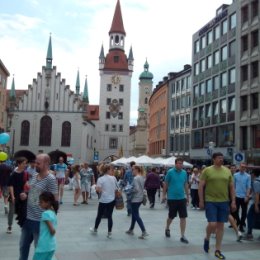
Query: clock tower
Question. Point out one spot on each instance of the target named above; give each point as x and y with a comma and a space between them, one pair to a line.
115, 92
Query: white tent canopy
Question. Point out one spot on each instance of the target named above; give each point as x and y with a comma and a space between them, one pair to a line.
120, 162
144, 160
171, 162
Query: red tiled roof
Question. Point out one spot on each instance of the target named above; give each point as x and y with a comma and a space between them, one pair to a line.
117, 23
120, 64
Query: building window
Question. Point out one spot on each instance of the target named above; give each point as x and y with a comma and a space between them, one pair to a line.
182, 121
108, 101
146, 101
177, 121
209, 61
107, 115
188, 101
223, 80
109, 87
121, 128
216, 32
254, 39
116, 59
172, 122
223, 106
254, 69
188, 82
254, 101
244, 73
256, 136
243, 103
226, 135
209, 136
208, 111
224, 27
173, 88
196, 71
120, 115
121, 88
197, 139
187, 143
113, 143
232, 49
244, 43
216, 83
244, 14
183, 102
25, 133
178, 103
244, 137
202, 65
173, 104
231, 104
233, 21
203, 42
187, 120
232, 76
209, 37
113, 128
216, 58
197, 46
178, 83
196, 91
202, 89
121, 101
208, 86
66, 134
201, 112
195, 114
107, 127
223, 53
215, 109
45, 131
182, 143
254, 8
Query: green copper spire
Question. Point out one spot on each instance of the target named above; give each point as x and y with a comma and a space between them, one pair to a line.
49, 55
131, 56
77, 84
12, 94
146, 75
102, 56
85, 94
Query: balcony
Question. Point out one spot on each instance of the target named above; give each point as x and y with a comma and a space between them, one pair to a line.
223, 65
223, 118
207, 121
208, 97
223, 91
215, 120
231, 116
215, 94
231, 88
201, 99
200, 123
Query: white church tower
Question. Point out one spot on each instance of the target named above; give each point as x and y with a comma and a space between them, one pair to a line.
115, 92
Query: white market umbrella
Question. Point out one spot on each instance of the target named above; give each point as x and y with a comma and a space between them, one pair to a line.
171, 162
158, 161
120, 162
130, 159
144, 160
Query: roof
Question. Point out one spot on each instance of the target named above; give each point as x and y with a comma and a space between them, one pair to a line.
121, 63
4, 68
117, 23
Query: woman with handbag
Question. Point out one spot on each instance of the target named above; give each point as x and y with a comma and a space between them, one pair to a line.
136, 201
106, 188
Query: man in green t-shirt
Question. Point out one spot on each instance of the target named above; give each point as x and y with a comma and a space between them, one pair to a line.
216, 189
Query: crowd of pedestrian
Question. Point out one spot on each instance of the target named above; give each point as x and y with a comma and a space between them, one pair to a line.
33, 192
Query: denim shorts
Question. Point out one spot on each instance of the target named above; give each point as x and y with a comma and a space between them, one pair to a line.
217, 211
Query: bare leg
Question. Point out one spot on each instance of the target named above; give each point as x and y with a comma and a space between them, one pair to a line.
182, 226
61, 191
219, 235
233, 223
168, 223
83, 196
86, 197
211, 228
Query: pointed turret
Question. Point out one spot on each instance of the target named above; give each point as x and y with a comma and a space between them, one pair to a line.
12, 94
101, 58
85, 93
49, 55
117, 23
130, 59
77, 84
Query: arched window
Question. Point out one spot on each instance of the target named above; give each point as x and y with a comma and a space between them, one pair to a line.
25, 132
66, 134
45, 131
146, 100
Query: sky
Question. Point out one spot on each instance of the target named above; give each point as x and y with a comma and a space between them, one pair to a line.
160, 31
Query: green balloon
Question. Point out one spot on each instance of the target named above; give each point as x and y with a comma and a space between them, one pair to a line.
3, 156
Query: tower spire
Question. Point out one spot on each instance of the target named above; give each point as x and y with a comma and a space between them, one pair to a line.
85, 93
49, 55
77, 84
12, 94
117, 23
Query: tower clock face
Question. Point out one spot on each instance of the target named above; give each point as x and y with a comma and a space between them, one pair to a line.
115, 79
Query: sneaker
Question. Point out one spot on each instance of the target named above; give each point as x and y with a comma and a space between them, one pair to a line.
9, 230
184, 240
193, 208
129, 232
93, 230
206, 245
109, 235
167, 233
219, 255
248, 237
144, 235
239, 236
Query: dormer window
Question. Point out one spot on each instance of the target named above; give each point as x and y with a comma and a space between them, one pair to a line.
116, 59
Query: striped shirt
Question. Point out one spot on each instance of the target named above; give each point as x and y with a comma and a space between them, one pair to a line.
48, 183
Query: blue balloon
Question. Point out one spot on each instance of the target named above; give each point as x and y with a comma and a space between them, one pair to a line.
4, 138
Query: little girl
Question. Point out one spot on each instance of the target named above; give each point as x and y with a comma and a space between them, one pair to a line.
76, 183
47, 241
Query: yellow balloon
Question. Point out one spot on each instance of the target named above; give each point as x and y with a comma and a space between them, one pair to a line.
3, 156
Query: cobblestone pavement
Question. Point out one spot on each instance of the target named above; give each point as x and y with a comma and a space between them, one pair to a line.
76, 242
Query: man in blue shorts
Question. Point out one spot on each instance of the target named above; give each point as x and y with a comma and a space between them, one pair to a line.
176, 186
216, 188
